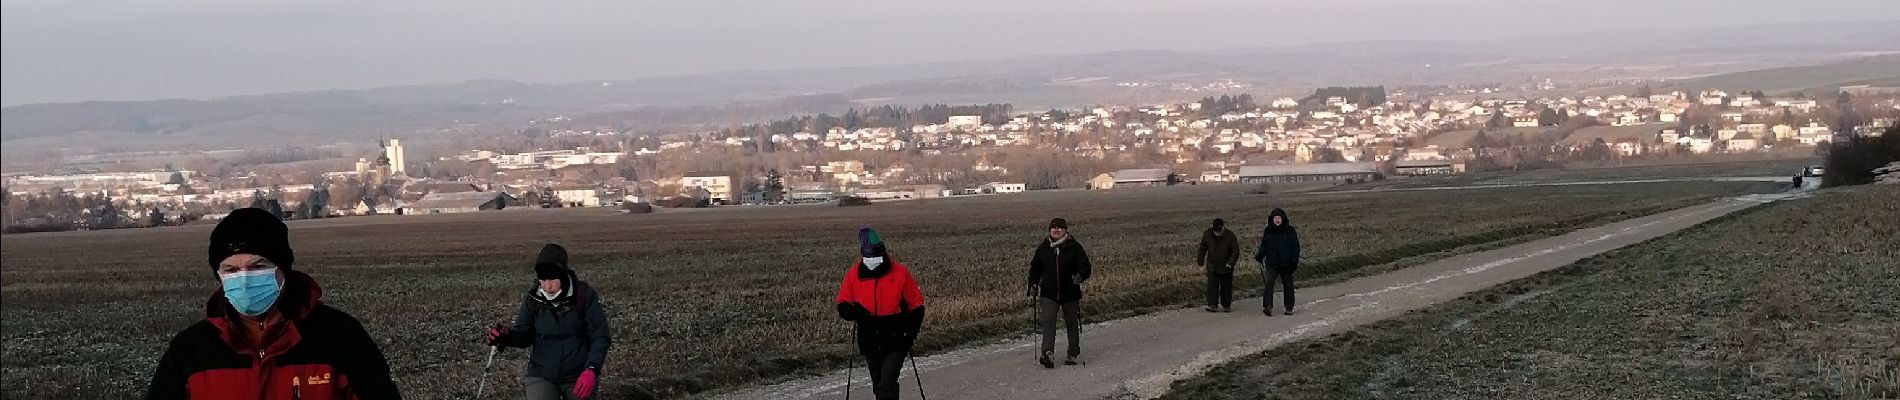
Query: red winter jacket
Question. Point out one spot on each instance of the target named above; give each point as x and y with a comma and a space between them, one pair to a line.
886, 304
319, 353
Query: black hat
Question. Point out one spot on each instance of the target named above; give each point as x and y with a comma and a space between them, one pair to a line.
251, 231
551, 263
1059, 223
1218, 223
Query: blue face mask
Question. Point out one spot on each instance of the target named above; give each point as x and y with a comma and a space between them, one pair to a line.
251, 292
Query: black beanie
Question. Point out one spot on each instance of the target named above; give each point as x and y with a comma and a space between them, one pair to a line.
251, 231
551, 263
1218, 223
1059, 223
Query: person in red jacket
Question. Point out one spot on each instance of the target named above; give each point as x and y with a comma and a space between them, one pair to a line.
879, 295
267, 334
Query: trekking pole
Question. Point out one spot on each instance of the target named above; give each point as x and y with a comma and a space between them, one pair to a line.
850, 365
485, 366
1034, 352
919, 374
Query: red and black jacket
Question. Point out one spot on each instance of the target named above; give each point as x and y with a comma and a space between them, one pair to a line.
318, 353
886, 304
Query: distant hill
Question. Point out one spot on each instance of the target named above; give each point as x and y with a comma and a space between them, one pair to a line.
1030, 83
1877, 69
1832, 88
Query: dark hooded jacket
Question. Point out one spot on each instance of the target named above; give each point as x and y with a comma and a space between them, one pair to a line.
320, 353
1279, 245
1220, 250
1058, 270
569, 333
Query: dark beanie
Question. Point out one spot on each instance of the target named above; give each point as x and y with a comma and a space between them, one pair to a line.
551, 263
1059, 223
251, 231
1218, 223
869, 243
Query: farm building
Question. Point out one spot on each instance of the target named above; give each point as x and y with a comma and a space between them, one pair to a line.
810, 195
425, 189
1132, 178
926, 191
1349, 172
884, 194
451, 203
1429, 167
1000, 187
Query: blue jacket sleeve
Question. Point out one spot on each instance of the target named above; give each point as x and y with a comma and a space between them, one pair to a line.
602, 334
521, 330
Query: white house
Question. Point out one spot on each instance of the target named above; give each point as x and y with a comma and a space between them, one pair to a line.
965, 121
718, 185
1003, 188
578, 197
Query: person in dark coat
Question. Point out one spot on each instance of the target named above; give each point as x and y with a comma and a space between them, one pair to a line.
267, 333
882, 298
1220, 250
565, 322
1279, 256
1056, 273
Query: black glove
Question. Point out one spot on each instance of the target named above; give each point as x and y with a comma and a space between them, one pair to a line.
852, 311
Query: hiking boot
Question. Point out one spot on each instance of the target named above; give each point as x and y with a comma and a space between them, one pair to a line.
1070, 360
1268, 311
1289, 311
1227, 309
1210, 309
1046, 363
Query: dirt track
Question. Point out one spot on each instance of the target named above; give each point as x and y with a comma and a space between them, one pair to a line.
1140, 357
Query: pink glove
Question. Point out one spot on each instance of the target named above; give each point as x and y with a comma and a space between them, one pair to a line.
584, 386
495, 335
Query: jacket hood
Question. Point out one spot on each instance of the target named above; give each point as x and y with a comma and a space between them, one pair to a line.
1285, 222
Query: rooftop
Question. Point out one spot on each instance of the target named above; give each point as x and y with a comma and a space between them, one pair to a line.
456, 200
1140, 175
1308, 169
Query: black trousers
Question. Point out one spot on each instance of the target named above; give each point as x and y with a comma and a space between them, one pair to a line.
885, 369
1071, 320
1285, 276
1220, 290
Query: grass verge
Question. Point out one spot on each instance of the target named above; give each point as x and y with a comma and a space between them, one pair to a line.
1790, 300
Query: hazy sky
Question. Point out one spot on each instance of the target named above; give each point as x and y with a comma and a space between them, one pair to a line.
74, 50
